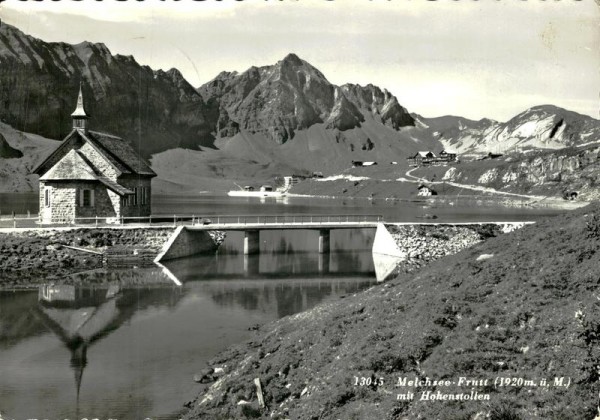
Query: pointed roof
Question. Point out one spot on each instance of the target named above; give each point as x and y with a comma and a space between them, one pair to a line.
421, 186
79, 110
117, 151
122, 152
71, 166
425, 153
74, 166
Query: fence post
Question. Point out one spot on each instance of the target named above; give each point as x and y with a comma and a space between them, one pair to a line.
14, 220
174, 220
96, 220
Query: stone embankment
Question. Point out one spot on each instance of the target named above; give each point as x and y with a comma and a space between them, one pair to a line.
36, 256
413, 246
426, 243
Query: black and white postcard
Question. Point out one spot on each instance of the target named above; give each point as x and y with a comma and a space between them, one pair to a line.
299, 209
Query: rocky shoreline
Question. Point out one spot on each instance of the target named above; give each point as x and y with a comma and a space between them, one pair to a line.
424, 244
31, 257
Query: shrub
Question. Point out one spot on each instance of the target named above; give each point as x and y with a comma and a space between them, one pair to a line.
504, 411
486, 231
593, 226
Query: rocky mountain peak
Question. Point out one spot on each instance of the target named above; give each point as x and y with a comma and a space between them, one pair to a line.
292, 95
539, 127
292, 60
85, 50
380, 104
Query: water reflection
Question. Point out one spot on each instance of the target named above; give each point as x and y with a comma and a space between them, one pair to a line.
278, 266
80, 316
289, 242
127, 342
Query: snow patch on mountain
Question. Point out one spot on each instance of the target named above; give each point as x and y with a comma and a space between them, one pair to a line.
540, 127
343, 177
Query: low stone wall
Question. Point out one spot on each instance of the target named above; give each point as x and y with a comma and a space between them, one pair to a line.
407, 247
38, 255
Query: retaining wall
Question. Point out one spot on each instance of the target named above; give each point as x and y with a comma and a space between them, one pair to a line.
185, 242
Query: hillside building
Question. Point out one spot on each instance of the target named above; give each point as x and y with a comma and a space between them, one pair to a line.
425, 158
93, 175
425, 191
289, 181
422, 158
447, 156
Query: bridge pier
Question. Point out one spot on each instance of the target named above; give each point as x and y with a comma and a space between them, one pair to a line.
251, 242
324, 239
251, 265
323, 263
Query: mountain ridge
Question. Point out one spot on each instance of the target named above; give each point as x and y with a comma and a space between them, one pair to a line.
286, 116
538, 127
39, 81
291, 95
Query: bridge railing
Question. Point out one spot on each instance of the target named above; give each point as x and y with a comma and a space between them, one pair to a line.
28, 221
289, 219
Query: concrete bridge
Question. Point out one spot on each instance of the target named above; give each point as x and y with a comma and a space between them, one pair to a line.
253, 225
192, 234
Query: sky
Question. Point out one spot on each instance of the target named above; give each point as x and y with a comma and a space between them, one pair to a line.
476, 59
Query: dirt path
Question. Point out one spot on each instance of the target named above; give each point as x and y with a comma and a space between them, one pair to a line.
416, 179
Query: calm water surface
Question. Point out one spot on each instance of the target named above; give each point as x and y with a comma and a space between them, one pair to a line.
126, 345
393, 211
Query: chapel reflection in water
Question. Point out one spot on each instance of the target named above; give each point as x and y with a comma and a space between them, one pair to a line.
80, 316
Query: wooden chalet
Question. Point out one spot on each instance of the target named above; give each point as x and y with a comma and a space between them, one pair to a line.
422, 158
447, 156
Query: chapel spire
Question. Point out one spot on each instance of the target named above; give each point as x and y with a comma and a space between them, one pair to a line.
79, 115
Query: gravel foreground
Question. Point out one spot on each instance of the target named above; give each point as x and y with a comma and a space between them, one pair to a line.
510, 329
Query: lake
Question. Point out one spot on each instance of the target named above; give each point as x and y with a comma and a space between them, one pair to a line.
462, 209
126, 343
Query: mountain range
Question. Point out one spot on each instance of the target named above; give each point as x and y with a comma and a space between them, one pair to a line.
286, 118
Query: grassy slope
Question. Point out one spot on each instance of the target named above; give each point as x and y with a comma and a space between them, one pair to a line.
532, 311
15, 173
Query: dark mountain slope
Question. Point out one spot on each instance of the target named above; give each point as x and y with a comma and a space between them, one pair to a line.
8, 152
292, 95
155, 110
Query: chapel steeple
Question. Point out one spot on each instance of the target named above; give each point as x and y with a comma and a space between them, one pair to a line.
79, 115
